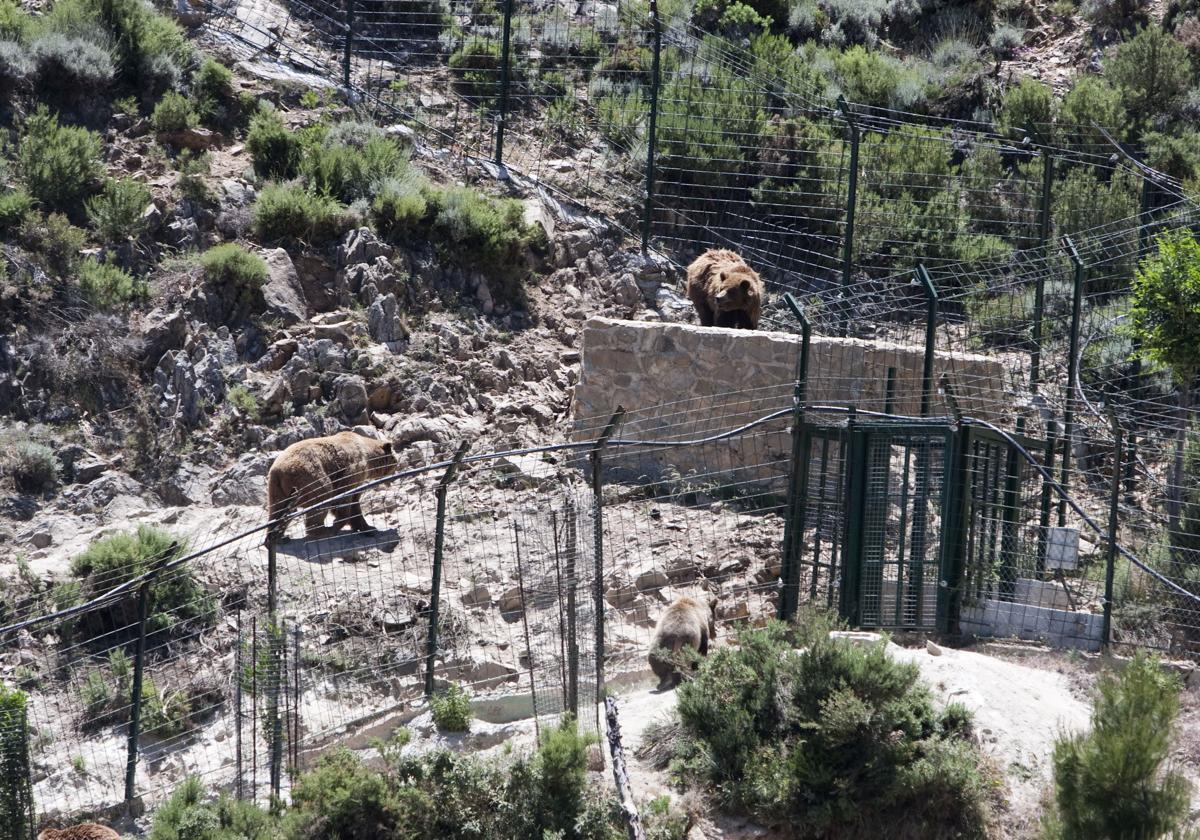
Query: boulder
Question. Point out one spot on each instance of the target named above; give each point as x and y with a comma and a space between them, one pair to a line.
182, 233
283, 294
350, 397
196, 139
188, 485
527, 470
475, 595
243, 483
481, 672
384, 322
361, 245
652, 581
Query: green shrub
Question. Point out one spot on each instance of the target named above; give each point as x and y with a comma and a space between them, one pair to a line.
189, 814
484, 233
193, 168
173, 113
292, 212
400, 210
33, 466
476, 68
742, 21
869, 78
1005, 40
1091, 101
239, 275
74, 66
621, 117
176, 599
212, 89
452, 709
106, 286
837, 739
116, 214
1028, 104
1152, 72
58, 163
55, 239
15, 66
349, 172
16, 789
1166, 304
1006, 319
1174, 154
274, 149
15, 206
241, 398
1112, 783
1085, 207
1114, 15
15, 22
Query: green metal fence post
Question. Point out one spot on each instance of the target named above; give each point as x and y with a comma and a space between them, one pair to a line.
931, 314
793, 534
856, 481
349, 43
1114, 503
652, 125
505, 80
1072, 373
851, 207
598, 545
571, 542
1008, 533
920, 513
139, 668
1039, 291
1047, 497
439, 544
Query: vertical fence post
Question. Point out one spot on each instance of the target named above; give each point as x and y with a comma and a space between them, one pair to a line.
931, 314
920, 514
1008, 534
537, 732
139, 669
652, 126
439, 543
793, 532
1072, 374
851, 207
274, 674
349, 43
1047, 501
505, 80
238, 669
1039, 289
296, 695
1114, 503
572, 545
598, 545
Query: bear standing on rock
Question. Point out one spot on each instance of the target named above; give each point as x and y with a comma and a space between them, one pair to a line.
725, 291
686, 624
313, 470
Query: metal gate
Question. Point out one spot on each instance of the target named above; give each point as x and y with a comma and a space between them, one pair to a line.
898, 507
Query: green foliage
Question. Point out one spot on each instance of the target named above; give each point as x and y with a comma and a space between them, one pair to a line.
1111, 783
1176, 155
176, 598
452, 709
476, 69
741, 21
1006, 319
173, 113
348, 171
831, 740
58, 163
55, 239
869, 78
238, 276
1029, 103
1152, 72
15, 22
292, 212
1086, 207
191, 815
621, 117
400, 210
32, 466
241, 398
74, 67
486, 234
106, 286
192, 170
212, 89
15, 205
1091, 101
16, 790
1166, 304
1114, 15
274, 149
116, 213
1005, 40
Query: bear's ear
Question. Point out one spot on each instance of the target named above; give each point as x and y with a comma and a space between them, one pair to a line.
745, 285
387, 447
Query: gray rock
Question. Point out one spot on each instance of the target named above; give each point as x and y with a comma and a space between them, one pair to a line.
93, 497
175, 387
278, 397
152, 218
236, 193
166, 332
277, 355
188, 485
477, 595
527, 470
362, 246
283, 293
481, 672
89, 468
243, 483
383, 320
651, 581
350, 396
412, 429
197, 139
182, 233
625, 291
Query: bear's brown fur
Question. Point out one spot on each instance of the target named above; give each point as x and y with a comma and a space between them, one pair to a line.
686, 623
725, 291
83, 831
313, 470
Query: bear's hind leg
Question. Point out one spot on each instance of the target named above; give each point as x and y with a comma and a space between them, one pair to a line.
358, 522
314, 524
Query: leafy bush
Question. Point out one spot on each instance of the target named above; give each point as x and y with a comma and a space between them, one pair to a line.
452, 709
741, 21
173, 113
1006, 319
1114, 15
1111, 783
15, 22
621, 117
292, 212
238, 276
55, 239
350, 172
116, 214
176, 599
15, 65
1152, 72
33, 466
274, 149
71, 64
58, 163
106, 286
16, 792
1029, 103
1091, 101
192, 169
476, 67
835, 740
212, 89
190, 814
15, 206
869, 78
1165, 309
400, 210
241, 398
1006, 39
485, 233
1176, 155
1085, 207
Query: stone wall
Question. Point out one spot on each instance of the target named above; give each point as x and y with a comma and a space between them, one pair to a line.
679, 382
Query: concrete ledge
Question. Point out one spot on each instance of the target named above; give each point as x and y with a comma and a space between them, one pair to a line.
1057, 628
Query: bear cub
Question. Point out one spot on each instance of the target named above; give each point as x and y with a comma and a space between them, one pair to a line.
311, 471
686, 623
725, 291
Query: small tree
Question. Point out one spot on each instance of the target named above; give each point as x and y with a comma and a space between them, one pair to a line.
1153, 73
1166, 320
16, 794
1110, 784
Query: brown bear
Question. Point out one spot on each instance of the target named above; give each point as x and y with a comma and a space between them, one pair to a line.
725, 291
686, 623
83, 831
313, 470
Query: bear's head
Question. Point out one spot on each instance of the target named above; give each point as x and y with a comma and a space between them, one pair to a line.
384, 462
735, 288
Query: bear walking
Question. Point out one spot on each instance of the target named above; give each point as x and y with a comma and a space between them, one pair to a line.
686, 623
84, 831
725, 291
311, 471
